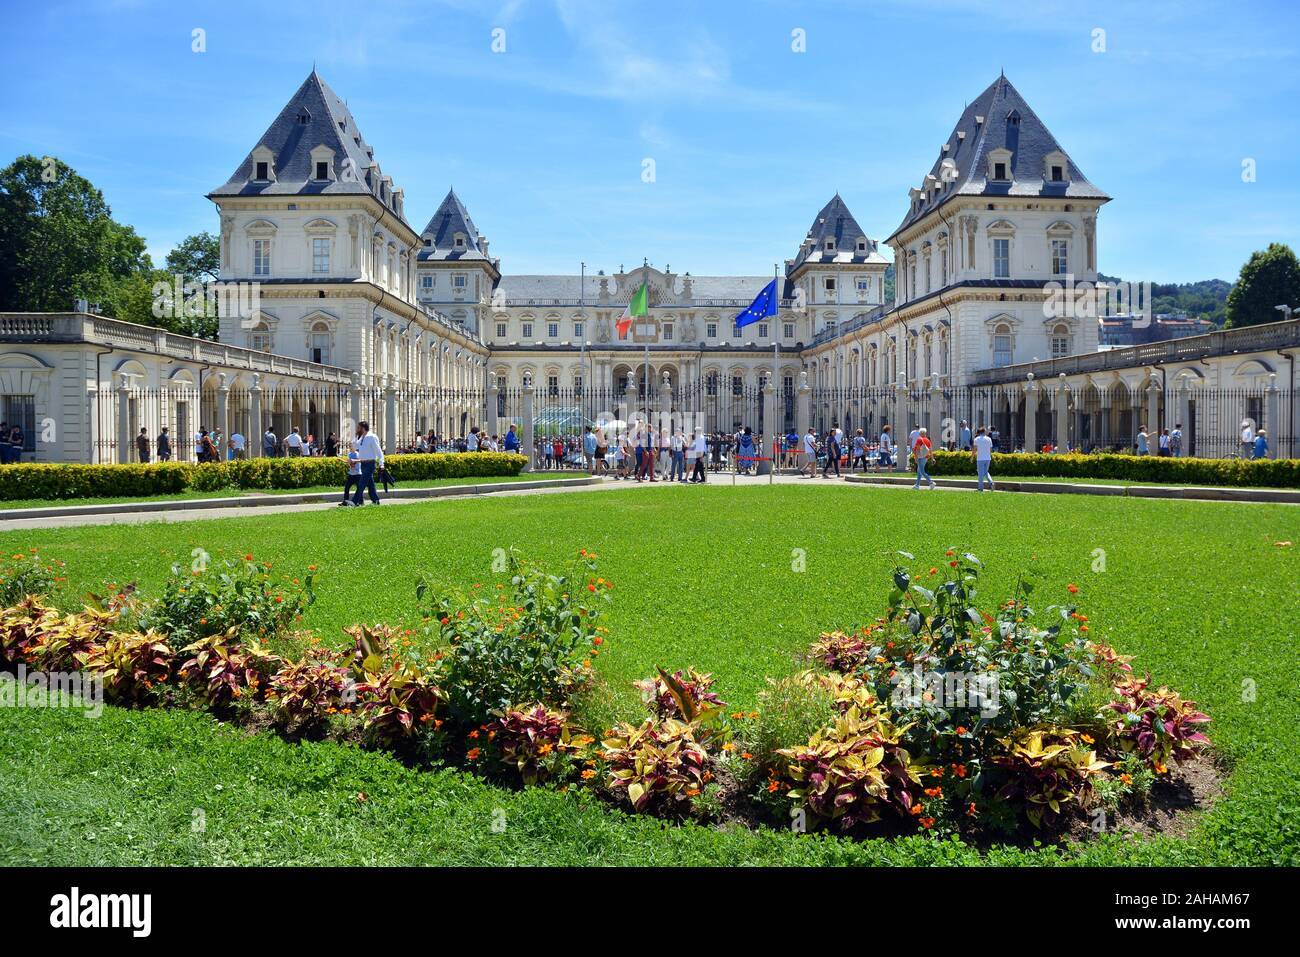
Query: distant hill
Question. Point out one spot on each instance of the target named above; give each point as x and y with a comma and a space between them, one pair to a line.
1206, 299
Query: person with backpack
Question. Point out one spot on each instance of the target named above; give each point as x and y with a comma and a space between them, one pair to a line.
1176, 441
921, 456
270, 443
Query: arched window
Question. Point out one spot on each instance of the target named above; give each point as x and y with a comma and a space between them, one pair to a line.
260, 337
319, 348
1002, 345
1061, 341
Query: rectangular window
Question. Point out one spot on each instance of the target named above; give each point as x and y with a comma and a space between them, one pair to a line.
1058, 175
426, 282
711, 383
737, 385
999, 171
320, 256
862, 285
322, 170
1002, 258
261, 257
320, 347
762, 330
1060, 347
501, 330
830, 283
577, 330
711, 330
577, 384
553, 330
552, 385
1060, 257
263, 171
20, 410
528, 330
788, 331
1001, 351
668, 332
458, 281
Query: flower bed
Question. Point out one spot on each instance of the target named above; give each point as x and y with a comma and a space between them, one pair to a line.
1257, 473
35, 480
941, 716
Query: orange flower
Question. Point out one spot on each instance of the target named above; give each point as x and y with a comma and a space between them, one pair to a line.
961, 729
1127, 779
588, 774
473, 754
1073, 589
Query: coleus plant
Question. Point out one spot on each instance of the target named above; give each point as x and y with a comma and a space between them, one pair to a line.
1159, 725
538, 743
1047, 769
132, 665
656, 765
222, 668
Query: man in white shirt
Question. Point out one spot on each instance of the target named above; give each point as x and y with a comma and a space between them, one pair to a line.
810, 453
699, 451
1247, 439
236, 445
1176, 440
471, 442
293, 443
885, 454
371, 456
983, 453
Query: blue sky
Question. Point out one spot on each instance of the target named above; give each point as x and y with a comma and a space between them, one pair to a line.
545, 142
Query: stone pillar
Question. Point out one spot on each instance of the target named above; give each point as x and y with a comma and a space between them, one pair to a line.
256, 426
223, 413
1102, 432
1062, 439
901, 429
803, 406
1153, 412
665, 403
935, 424
526, 444
1031, 414
1183, 403
493, 393
1272, 419
354, 396
390, 416
124, 445
772, 430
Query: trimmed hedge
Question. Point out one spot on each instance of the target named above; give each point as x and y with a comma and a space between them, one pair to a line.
1258, 473
35, 480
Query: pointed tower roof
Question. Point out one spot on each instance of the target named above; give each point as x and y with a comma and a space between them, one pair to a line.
997, 119
452, 220
836, 223
315, 116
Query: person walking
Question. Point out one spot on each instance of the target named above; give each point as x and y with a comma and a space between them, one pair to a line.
589, 450
964, 437
1163, 444
700, 449
142, 445
746, 453
983, 455
832, 453
921, 456
353, 478
164, 445
677, 448
371, 456
1143, 441
885, 453
1247, 439
1260, 448
859, 451
600, 462
270, 444
1176, 441
809, 468
512, 439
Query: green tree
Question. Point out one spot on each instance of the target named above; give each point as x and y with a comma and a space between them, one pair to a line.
58, 240
196, 259
1268, 279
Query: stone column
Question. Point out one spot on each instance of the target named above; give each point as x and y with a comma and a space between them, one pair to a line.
493, 394
901, 429
935, 424
123, 420
223, 412
772, 432
803, 406
1062, 440
1102, 436
256, 426
390, 416
1153, 411
526, 444
1031, 414
1272, 420
665, 402
1183, 403
354, 397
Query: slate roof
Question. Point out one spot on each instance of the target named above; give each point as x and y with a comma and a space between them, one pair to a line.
836, 222
966, 156
451, 218
314, 116
546, 289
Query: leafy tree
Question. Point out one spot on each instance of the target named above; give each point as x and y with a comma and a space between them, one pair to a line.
1268, 279
889, 283
196, 257
58, 239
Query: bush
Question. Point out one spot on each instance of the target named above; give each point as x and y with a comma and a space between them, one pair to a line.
131, 665
1158, 726
30, 480
23, 575
233, 596
1047, 769
305, 693
538, 744
222, 668
1257, 473
532, 640
657, 765
790, 711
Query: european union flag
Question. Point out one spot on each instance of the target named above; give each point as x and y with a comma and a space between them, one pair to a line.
764, 305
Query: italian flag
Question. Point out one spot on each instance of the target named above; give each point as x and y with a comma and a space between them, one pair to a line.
635, 307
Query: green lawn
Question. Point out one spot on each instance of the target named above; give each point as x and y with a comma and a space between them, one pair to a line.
703, 577
238, 492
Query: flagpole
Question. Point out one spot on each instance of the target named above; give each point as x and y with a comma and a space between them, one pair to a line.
776, 363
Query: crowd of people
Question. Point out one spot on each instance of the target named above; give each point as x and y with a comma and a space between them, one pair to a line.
12, 441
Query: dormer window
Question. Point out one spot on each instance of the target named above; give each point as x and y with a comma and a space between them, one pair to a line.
459, 241
1000, 171
1058, 174
428, 241
862, 245
322, 170
830, 245
303, 117
263, 171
